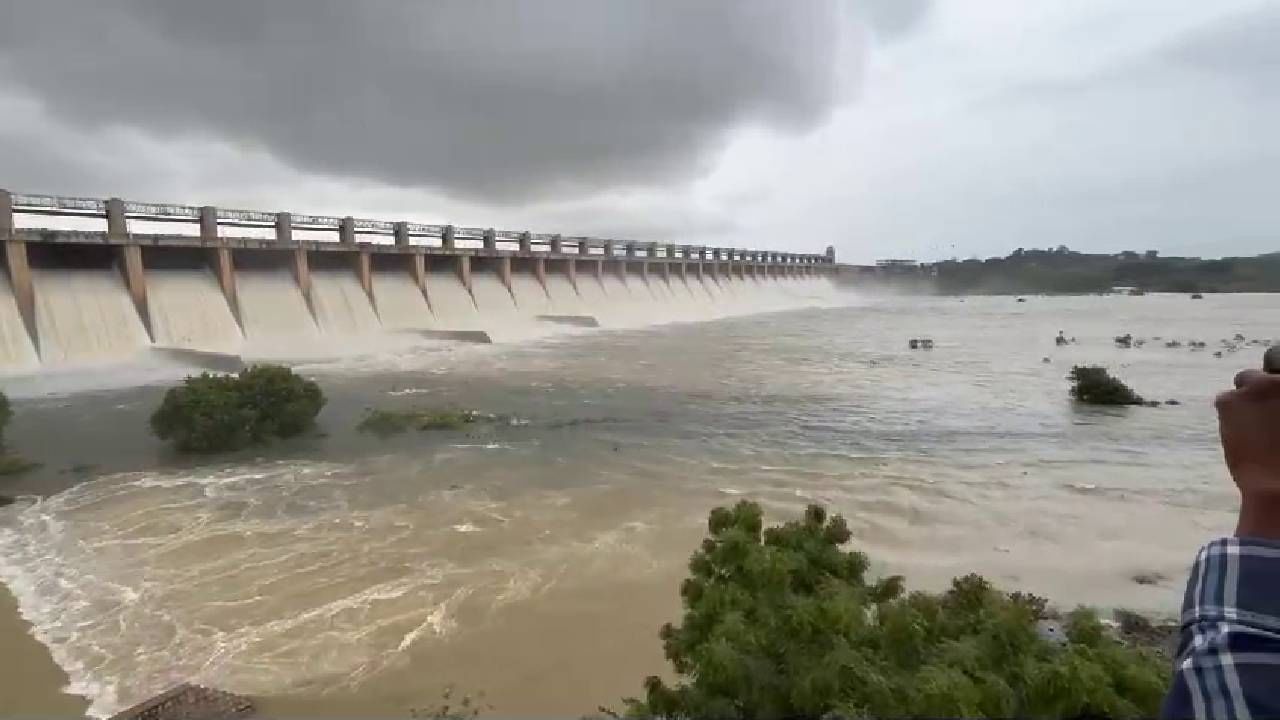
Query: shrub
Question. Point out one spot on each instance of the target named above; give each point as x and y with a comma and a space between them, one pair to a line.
283, 403
211, 413
1093, 385
385, 423
10, 464
14, 465
782, 622
6, 414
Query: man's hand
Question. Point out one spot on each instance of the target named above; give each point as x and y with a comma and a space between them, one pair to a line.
1249, 423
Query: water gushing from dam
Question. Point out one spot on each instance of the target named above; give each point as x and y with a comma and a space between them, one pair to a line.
188, 311
451, 303
341, 305
271, 307
531, 298
16, 350
563, 298
401, 304
87, 315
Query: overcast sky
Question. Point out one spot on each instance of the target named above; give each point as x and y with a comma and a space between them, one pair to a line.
888, 128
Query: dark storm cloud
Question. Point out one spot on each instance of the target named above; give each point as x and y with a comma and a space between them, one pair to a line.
482, 98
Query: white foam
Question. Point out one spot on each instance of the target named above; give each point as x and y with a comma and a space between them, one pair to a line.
87, 320
256, 578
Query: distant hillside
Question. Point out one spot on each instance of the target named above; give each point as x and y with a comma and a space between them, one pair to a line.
1064, 271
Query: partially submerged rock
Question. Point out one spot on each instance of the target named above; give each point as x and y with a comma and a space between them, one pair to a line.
1149, 578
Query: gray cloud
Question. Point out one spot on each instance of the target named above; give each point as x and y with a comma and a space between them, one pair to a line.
1242, 47
892, 18
494, 99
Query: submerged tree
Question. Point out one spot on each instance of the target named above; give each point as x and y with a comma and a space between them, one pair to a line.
782, 622
1093, 385
211, 413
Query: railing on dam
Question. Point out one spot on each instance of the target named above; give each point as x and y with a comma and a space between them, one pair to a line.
141, 244
219, 225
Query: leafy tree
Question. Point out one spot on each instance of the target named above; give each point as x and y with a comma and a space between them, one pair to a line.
1064, 271
782, 622
283, 404
211, 413
1093, 385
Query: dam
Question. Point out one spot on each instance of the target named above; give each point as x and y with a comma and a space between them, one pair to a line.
107, 280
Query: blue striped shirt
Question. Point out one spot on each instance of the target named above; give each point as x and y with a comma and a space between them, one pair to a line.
1228, 661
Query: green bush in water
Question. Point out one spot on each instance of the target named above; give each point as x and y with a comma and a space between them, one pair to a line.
10, 464
6, 414
1093, 385
385, 423
211, 413
782, 622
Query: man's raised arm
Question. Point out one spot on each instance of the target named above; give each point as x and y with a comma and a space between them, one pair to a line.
1228, 663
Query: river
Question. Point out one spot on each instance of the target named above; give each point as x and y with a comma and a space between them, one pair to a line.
534, 560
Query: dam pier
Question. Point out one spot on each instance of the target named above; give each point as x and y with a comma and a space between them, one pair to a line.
89, 279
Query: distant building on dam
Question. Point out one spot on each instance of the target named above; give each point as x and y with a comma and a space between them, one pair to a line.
89, 280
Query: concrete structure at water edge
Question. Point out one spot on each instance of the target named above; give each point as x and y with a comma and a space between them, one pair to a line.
325, 257
189, 702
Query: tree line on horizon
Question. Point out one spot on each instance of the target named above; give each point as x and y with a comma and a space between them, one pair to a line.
1062, 270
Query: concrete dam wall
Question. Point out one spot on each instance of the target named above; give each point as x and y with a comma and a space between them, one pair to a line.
243, 284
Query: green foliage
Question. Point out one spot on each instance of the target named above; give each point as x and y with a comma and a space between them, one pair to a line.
212, 413
468, 707
385, 423
10, 464
6, 414
1093, 385
1061, 270
14, 465
782, 622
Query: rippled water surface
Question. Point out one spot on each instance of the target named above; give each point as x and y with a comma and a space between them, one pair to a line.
535, 559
